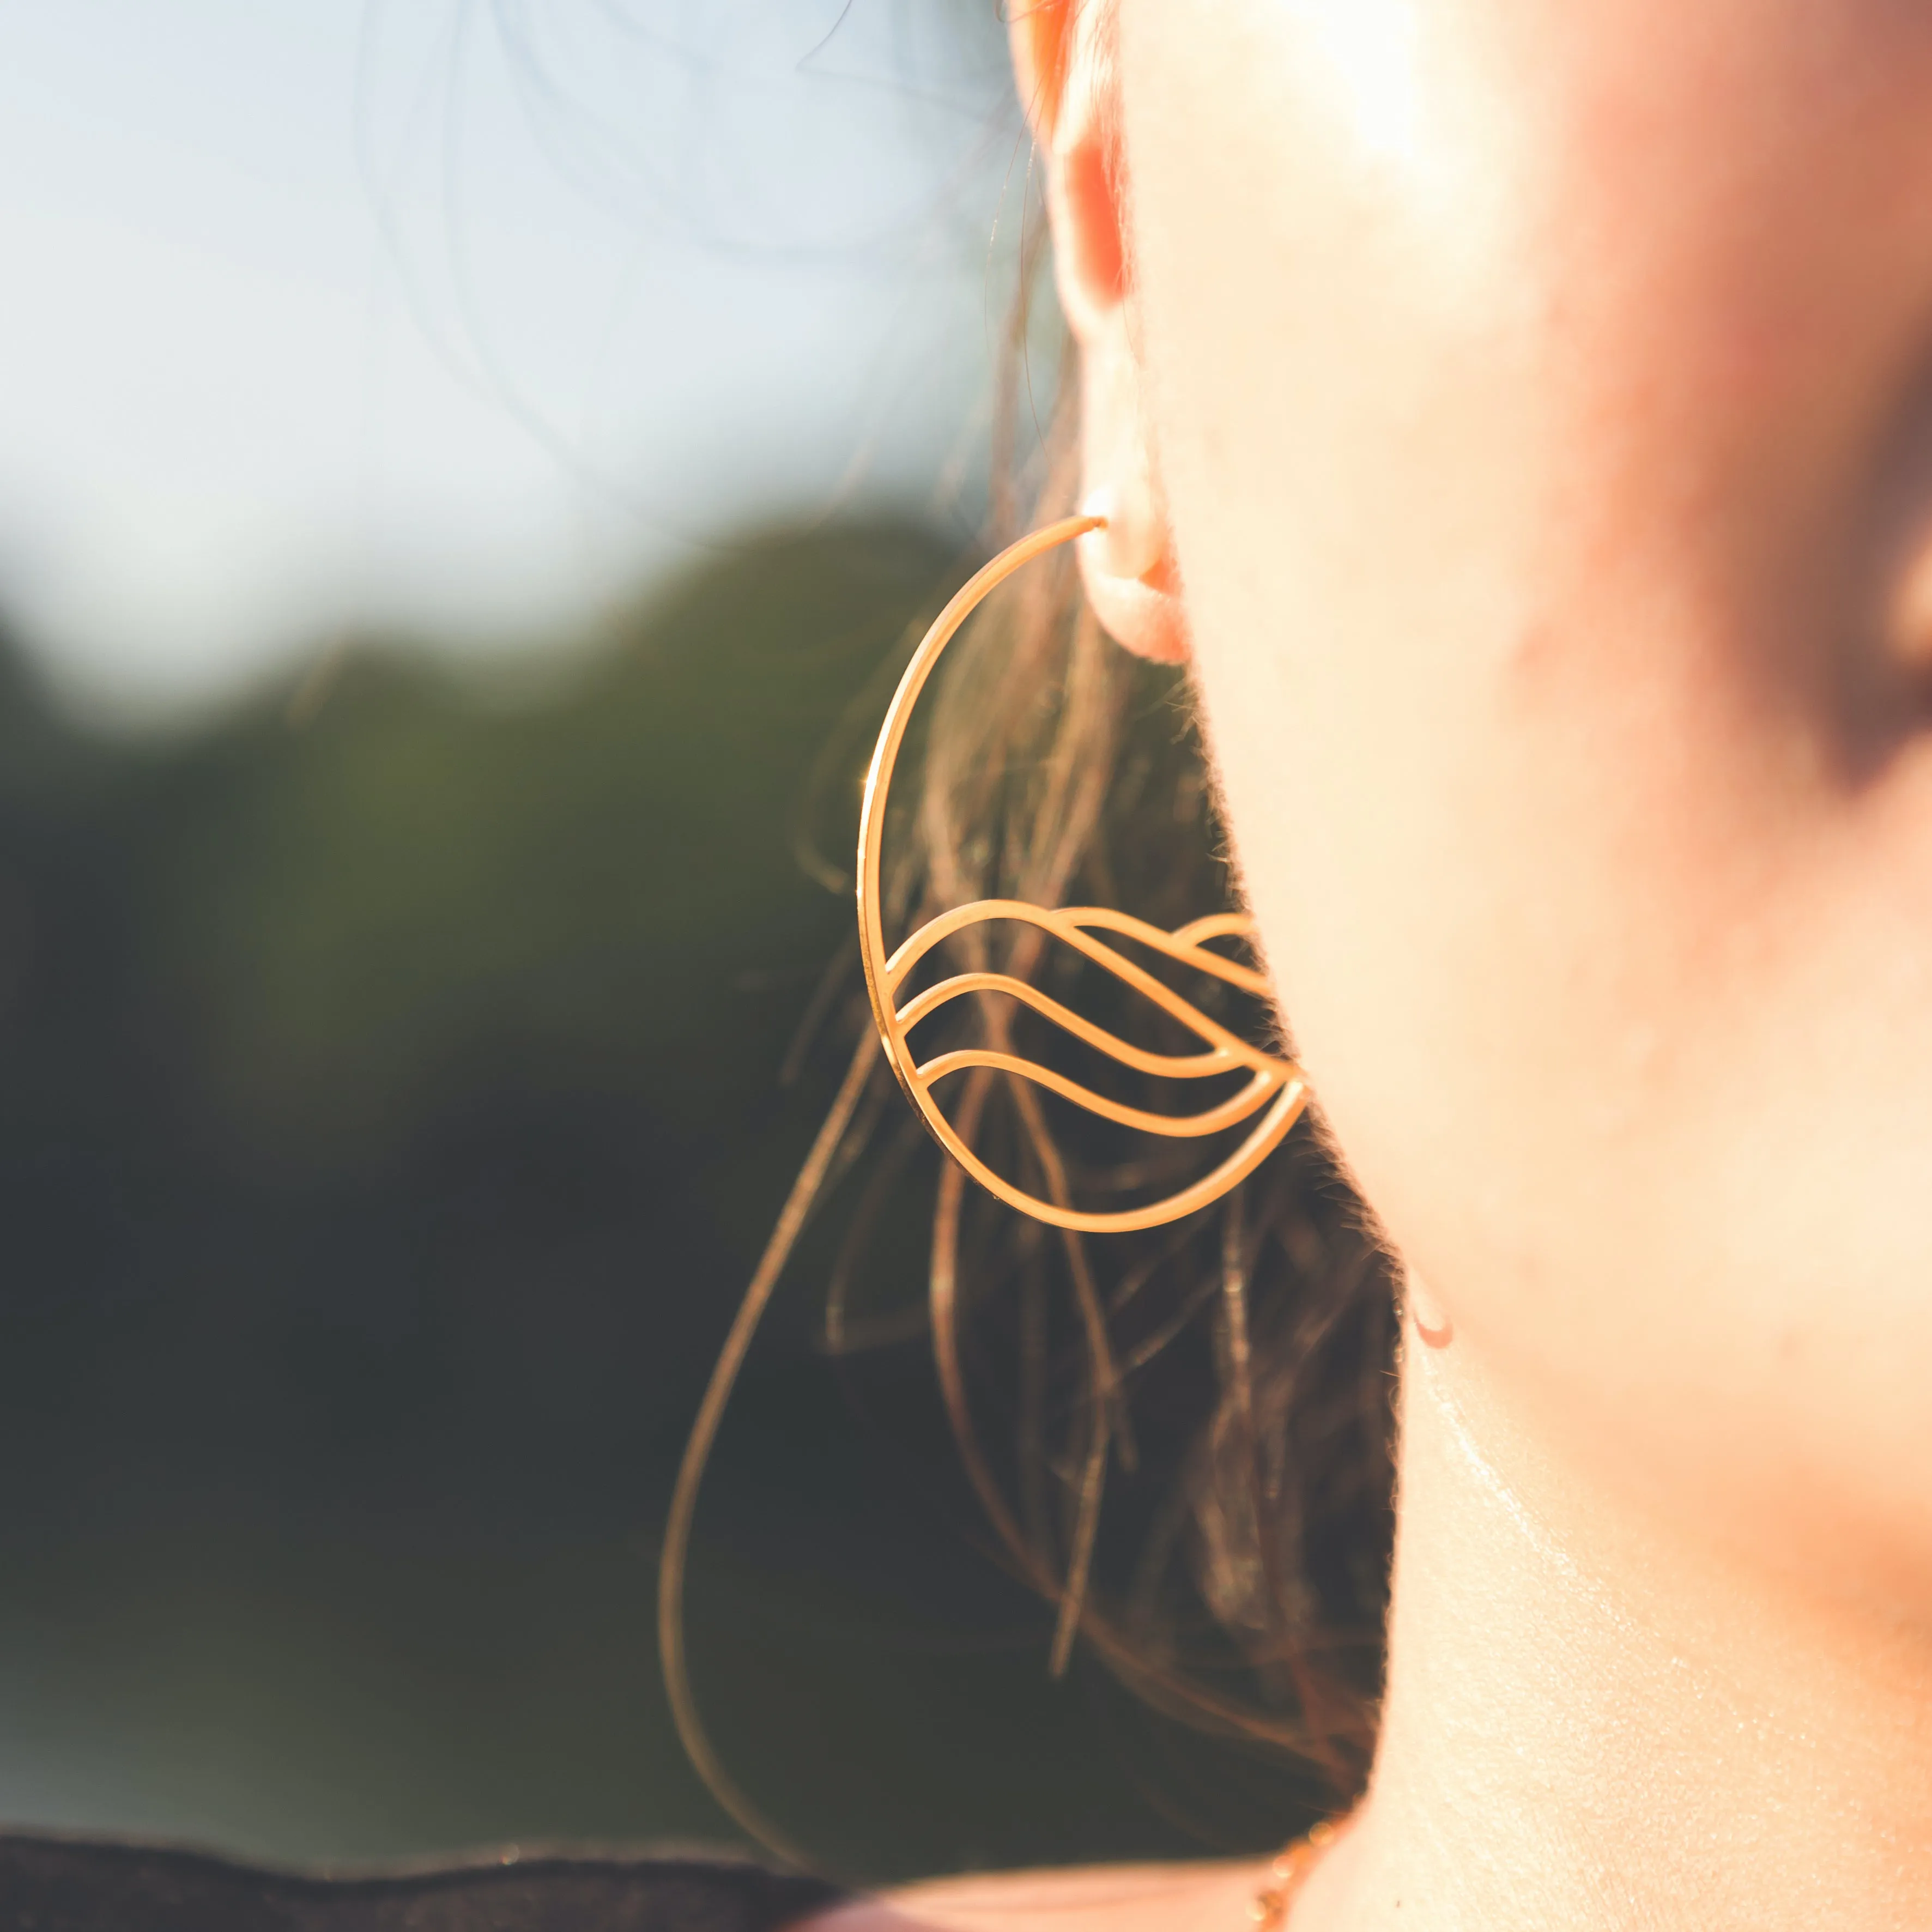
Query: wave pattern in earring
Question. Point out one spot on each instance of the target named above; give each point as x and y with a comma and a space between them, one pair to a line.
1276, 1089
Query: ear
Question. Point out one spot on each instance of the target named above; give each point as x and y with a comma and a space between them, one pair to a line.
1063, 57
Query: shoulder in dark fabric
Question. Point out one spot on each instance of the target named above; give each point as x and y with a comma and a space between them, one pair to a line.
68, 1885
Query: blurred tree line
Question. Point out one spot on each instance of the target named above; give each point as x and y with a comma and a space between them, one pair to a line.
390, 1110
394, 1067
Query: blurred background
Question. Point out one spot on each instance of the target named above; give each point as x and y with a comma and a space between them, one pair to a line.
461, 466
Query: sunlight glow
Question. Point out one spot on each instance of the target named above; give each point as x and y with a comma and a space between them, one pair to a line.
1372, 50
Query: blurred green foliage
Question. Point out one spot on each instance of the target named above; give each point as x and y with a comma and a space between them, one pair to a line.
347, 1029
389, 1114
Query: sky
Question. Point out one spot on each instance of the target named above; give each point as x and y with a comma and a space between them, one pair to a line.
463, 317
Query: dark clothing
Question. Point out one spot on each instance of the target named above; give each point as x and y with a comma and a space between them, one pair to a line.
56, 1885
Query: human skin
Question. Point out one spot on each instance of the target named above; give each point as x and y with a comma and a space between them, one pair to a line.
1523, 414
1544, 397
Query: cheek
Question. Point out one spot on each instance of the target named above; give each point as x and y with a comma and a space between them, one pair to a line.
1534, 483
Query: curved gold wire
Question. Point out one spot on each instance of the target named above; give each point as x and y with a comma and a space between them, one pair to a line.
1222, 1052
1276, 1085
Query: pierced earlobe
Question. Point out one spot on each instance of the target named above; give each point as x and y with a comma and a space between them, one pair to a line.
1127, 567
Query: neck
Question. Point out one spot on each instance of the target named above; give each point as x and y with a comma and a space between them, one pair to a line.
1593, 1721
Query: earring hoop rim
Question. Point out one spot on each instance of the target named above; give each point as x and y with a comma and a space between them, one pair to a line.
1225, 1052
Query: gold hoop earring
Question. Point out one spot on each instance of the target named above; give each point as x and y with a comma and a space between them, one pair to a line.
1274, 1083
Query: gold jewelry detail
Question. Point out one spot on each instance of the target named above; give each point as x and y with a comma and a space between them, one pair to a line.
1273, 1083
1287, 1874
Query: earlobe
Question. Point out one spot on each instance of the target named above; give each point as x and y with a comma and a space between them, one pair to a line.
1138, 617
1128, 568
1431, 1320
1135, 597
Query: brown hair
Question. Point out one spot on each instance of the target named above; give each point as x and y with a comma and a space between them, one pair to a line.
1223, 1385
